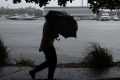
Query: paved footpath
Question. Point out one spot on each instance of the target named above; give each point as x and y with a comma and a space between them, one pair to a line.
21, 73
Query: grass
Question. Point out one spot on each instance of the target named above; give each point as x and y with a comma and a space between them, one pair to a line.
98, 57
24, 62
5, 61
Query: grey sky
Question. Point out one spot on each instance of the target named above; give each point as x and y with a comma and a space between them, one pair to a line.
9, 4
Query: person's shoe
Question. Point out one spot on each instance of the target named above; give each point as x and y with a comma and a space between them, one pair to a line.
32, 74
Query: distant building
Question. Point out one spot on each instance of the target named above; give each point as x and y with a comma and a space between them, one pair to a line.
74, 11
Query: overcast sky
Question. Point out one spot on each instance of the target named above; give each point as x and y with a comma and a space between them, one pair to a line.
9, 4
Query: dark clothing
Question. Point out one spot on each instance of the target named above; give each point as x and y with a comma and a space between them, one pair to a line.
49, 34
51, 61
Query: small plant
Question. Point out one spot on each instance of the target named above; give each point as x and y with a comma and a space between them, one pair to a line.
24, 62
3, 54
98, 57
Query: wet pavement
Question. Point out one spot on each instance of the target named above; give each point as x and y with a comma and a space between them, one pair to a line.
21, 73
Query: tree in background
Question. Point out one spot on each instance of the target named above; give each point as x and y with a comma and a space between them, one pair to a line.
19, 11
95, 5
44, 2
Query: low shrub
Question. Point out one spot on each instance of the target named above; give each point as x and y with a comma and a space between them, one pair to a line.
98, 57
3, 54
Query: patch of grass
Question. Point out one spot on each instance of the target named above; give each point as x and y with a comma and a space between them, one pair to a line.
24, 62
98, 57
4, 60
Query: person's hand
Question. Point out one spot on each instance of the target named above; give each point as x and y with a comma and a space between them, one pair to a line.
40, 49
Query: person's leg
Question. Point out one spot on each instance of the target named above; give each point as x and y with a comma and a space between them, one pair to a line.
51, 71
41, 67
38, 68
52, 61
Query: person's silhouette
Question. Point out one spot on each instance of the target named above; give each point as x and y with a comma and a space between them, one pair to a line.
56, 23
49, 35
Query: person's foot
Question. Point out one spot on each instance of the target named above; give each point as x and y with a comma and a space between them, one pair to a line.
32, 74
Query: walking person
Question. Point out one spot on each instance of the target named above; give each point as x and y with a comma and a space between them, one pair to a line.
51, 32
